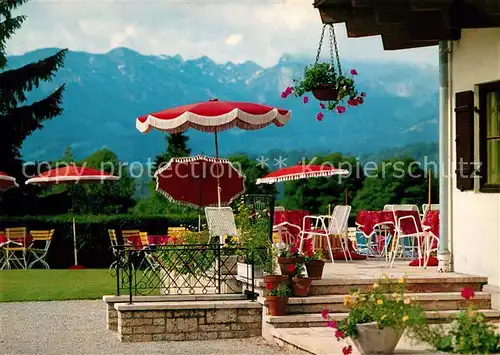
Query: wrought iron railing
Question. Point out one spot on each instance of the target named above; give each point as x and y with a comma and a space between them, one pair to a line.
182, 269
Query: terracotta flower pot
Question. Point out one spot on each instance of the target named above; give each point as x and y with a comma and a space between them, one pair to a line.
287, 265
325, 92
372, 340
279, 280
301, 286
315, 269
277, 305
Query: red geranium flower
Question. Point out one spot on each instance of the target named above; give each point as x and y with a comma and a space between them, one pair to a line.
359, 100
339, 334
305, 99
324, 313
354, 72
363, 94
332, 324
294, 250
291, 268
347, 350
468, 293
340, 109
322, 105
320, 116
269, 286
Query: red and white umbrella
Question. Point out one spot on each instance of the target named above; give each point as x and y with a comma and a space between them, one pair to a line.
7, 182
72, 175
193, 181
300, 171
214, 116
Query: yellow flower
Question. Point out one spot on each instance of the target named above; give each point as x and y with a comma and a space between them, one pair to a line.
375, 285
383, 317
407, 301
401, 280
380, 302
347, 300
405, 318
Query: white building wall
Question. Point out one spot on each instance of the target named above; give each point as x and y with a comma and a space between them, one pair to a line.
475, 216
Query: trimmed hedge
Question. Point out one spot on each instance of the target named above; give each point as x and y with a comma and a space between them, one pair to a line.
92, 234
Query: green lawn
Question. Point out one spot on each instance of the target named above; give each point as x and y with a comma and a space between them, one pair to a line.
54, 285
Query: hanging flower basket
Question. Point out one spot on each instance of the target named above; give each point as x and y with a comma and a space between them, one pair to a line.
335, 90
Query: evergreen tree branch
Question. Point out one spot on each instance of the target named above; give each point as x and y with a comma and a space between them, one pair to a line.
20, 122
7, 28
6, 6
13, 83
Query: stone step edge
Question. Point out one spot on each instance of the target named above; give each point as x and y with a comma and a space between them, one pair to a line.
168, 306
369, 281
287, 342
427, 296
311, 318
174, 298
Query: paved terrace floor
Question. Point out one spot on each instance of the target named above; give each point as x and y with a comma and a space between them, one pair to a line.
374, 269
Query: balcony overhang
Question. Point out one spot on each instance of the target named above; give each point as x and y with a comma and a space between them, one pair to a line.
410, 23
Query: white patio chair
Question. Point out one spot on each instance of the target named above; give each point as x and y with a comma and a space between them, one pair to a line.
425, 207
220, 222
40, 247
15, 248
326, 226
419, 234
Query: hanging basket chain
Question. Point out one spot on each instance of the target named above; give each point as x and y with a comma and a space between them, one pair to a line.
333, 46
320, 43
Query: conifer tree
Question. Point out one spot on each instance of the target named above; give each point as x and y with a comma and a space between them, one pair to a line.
18, 117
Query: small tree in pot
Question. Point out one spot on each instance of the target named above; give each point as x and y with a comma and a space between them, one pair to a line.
277, 299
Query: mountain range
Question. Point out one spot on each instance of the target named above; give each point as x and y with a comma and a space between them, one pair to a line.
106, 92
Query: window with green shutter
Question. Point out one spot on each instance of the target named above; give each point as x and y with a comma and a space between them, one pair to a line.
489, 133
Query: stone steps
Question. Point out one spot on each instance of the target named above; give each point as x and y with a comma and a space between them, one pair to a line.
428, 301
315, 319
343, 286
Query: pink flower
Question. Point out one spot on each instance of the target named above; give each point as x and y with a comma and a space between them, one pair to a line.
288, 91
332, 324
339, 334
352, 102
322, 105
354, 72
340, 109
468, 293
294, 250
305, 99
359, 100
363, 94
283, 95
347, 350
320, 116
324, 313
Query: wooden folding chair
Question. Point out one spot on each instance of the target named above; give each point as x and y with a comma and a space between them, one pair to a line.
15, 247
40, 246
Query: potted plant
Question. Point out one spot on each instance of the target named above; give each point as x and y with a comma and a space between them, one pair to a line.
300, 284
377, 318
315, 262
270, 266
470, 333
277, 299
289, 256
327, 82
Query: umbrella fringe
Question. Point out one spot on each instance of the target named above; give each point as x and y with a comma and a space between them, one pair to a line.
190, 204
272, 180
219, 123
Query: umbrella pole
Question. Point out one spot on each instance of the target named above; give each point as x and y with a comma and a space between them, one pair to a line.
429, 178
346, 197
74, 225
217, 157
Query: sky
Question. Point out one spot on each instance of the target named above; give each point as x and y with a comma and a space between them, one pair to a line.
223, 30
